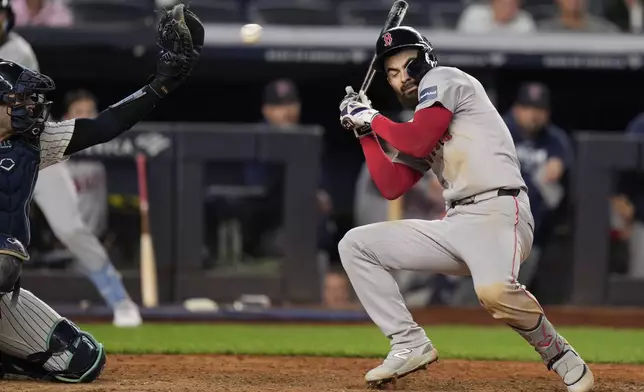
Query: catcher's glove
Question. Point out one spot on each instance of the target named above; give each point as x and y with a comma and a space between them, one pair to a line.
181, 38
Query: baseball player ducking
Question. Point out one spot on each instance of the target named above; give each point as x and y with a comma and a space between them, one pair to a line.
488, 228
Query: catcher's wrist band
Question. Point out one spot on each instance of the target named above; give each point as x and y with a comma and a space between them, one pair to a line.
162, 86
362, 132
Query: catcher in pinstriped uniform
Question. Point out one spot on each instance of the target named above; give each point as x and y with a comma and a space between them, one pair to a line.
35, 341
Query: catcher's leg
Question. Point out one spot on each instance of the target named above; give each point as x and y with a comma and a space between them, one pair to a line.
368, 253
57, 198
494, 237
37, 342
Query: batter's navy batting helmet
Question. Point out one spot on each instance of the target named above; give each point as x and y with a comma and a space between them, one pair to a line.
23, 92
403, 37
7, 25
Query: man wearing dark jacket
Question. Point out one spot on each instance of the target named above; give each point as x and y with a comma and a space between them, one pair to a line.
544, 150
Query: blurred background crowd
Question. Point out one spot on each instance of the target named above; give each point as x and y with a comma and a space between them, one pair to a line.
542, 116
509, 16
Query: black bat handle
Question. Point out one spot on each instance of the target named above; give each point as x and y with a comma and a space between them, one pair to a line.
394, 19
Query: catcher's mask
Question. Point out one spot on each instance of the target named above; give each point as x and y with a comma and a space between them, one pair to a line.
23, 92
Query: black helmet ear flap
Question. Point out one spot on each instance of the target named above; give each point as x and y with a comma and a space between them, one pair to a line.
423, 63
418, 67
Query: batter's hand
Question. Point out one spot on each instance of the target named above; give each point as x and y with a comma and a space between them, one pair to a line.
356, 115
353, 96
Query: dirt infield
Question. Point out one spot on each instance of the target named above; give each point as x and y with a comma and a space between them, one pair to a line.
197, 373
295, 374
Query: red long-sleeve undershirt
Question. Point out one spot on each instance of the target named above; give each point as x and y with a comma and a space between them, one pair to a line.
393, 179
416, 138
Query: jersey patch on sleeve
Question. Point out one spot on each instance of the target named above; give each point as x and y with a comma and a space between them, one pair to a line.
427, 94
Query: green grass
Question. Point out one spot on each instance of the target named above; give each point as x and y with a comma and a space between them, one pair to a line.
464, 342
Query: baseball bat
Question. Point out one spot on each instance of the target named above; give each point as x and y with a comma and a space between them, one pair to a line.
395, 209
394, 19
149, 290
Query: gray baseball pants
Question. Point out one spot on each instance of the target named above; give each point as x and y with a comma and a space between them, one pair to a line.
488, 239
56, 196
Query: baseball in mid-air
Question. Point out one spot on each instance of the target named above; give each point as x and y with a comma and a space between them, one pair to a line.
251, 33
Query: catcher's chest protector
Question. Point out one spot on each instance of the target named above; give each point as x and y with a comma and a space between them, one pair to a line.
19, 162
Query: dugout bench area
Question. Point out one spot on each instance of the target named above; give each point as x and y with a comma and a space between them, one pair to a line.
179, 155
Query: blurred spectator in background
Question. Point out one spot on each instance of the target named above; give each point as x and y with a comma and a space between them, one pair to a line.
80, 103
628, 15
50, 13
12, 46
336, 290
574, 17
627, 208
496, 16
281, 109
281, 106
90, 177
545, 152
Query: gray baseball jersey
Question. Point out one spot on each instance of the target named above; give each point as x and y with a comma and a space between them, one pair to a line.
55, 194
18, 50
487, 239
480, 155
90, 179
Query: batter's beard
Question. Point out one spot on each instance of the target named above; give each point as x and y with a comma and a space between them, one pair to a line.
408, 101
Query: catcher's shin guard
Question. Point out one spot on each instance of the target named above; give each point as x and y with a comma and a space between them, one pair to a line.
86, 364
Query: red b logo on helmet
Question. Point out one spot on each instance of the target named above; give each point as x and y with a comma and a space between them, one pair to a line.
387, 39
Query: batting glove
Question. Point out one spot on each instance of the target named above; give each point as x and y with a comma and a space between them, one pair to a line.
353, 96
356, 113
